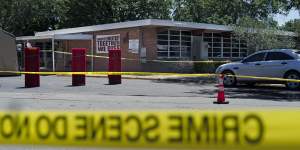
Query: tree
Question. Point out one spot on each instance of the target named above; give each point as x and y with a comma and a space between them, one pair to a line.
27, 16
293, 26
91, 12
226, 12
259, 35
142, 9
87, 12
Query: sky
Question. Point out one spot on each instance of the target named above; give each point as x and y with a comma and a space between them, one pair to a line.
282, 19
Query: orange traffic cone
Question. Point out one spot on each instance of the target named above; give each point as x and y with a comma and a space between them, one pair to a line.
221, 93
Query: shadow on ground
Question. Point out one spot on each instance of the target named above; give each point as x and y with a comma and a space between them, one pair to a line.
188, 80
260, 92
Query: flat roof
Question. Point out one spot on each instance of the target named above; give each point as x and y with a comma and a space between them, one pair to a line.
146, 22
57, 37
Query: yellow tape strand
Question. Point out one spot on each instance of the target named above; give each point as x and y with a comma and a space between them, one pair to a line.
162, 61
150, 74
174, 130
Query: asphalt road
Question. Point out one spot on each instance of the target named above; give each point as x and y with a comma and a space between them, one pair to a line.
56, 93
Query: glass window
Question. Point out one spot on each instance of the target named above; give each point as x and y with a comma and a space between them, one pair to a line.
162, 37
176, 38
175, 32
255, 57
278, 56
174, 44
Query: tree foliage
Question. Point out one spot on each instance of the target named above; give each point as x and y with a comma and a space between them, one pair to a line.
24, 17
259, 35
226, 11
293, 26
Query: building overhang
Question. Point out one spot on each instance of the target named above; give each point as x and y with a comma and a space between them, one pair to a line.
57, 37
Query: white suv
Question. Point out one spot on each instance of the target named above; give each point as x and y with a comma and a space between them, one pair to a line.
277, 63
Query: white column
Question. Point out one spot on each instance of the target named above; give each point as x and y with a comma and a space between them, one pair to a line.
92, 49
53, 55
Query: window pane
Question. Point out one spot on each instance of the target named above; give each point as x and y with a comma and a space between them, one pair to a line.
186, 43
278, 56
235, 55
162, 37
226, 50
175, 37
175, 32
185, 48
174, 43
255, 57
226, 54
186, 38
162, 54
185, 54
162, 42
226, 45
174, 54
174, 48
217, 39
186, 33
217, 34
207, 39
163, 32
216, 54
207, 34
217, 44
162, 48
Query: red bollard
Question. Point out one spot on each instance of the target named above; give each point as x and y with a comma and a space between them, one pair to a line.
114, 65
32, 64
78, 65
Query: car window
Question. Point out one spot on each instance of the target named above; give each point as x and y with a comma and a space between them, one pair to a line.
255, 57
278, 56
297, 52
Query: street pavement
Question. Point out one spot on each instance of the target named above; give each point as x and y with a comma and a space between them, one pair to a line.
57, 94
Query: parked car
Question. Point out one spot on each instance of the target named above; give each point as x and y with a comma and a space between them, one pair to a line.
276, 63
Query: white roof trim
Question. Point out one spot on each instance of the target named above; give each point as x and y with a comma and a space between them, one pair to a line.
57, 37
73, 37
147, 22
110, 26
25, 38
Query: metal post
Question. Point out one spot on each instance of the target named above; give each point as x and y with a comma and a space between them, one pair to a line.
53, 55
92, 48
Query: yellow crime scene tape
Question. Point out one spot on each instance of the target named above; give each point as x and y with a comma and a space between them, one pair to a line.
162, 61
152, 129
152, 74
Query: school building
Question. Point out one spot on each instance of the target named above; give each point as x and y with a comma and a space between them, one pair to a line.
147, 45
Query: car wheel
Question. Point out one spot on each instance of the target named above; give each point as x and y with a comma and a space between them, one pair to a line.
292, 85
229, 78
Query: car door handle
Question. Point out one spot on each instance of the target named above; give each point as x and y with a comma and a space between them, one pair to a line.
258, 64
284, 63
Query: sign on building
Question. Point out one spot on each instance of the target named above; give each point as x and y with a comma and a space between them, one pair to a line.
133, 46
107, 42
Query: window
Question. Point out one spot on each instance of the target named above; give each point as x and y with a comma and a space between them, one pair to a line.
225, 45
278, 56
174, 44
255, 57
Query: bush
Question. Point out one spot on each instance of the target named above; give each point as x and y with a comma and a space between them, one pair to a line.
207, 66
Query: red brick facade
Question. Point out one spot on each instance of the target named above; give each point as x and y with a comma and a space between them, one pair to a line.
145, 35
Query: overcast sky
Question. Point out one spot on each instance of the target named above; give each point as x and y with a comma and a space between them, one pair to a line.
284, 18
